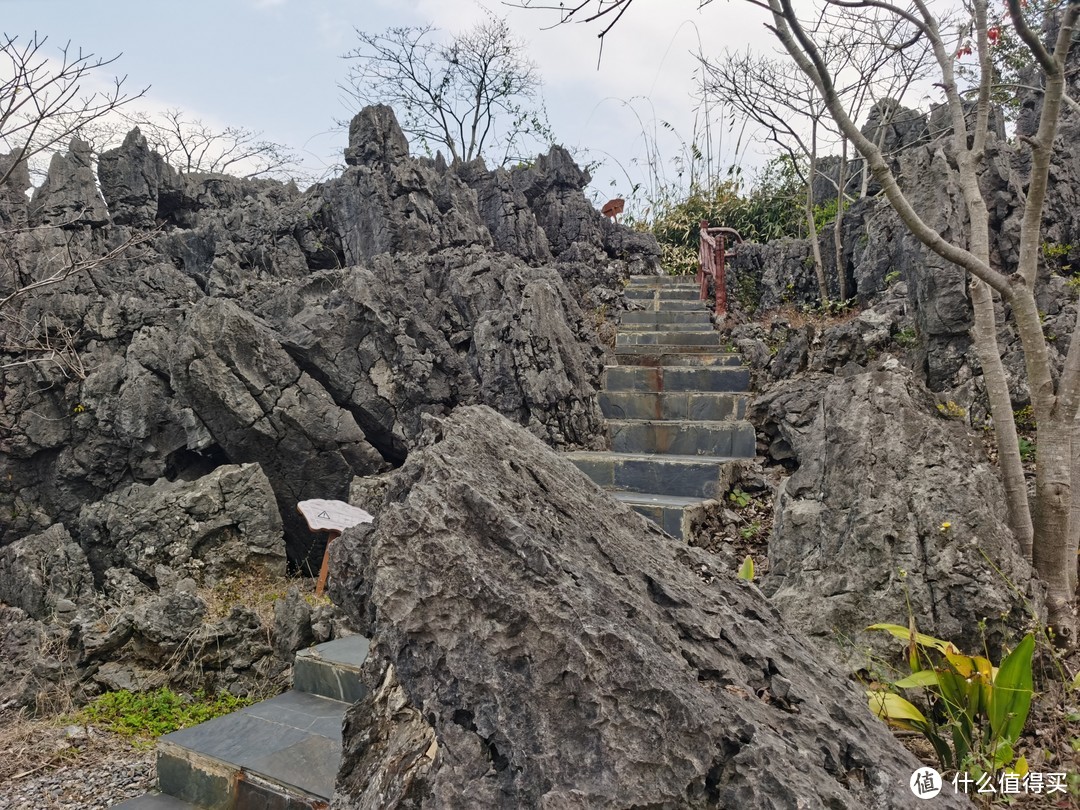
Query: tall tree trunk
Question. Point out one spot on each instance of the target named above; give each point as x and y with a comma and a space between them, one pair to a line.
811, 226
838, 226
984, 335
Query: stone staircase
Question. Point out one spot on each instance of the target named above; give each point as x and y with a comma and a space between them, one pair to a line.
674, 402
280, 754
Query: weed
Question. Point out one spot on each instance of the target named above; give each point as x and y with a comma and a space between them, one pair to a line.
1027, 449
151, 714
950, 410
906, 337
892, 277
739, 498
975, 712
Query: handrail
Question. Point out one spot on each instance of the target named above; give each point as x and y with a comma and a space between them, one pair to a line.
713, 254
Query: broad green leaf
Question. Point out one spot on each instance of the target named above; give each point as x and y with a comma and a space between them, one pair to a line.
746, 570
926, 677
893, 709
1011, 698
1003, 754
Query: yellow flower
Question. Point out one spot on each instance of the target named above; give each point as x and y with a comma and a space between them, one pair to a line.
946, 526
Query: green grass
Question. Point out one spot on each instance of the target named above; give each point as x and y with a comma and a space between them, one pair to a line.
161, 711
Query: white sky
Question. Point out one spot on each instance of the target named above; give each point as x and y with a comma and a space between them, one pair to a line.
274, 65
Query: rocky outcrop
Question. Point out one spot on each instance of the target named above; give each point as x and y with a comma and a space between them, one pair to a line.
229, 347
207, 529
536, 644
413, 335
137, 183
69, 197
45, 575
260, 407
891, 509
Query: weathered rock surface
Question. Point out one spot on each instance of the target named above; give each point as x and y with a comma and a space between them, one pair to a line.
539, 645
891, 506
69, 195
207, 529
245, 346
137, 183
45, 575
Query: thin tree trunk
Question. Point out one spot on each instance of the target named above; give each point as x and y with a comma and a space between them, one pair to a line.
819, 267
1055, 553
838, 226
984, 334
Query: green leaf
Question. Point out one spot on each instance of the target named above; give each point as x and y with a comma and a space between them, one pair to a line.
746, 570
1010, 699
926, 677
895, 710
904, 634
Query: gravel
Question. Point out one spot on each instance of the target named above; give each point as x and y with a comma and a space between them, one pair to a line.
102, 771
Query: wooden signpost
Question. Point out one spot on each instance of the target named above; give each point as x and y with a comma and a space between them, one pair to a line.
333, 517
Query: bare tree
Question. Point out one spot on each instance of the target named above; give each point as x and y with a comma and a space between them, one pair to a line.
42, 99
191, 145
1049, 533
43, 105
476, 95
782, 104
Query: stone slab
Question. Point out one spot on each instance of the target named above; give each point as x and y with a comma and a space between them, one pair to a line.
707, 406
332, 669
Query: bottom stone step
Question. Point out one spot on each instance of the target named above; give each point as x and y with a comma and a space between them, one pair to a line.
282, 752
155, 801
666, 511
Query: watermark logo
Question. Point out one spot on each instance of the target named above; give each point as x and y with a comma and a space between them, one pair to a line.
926, 783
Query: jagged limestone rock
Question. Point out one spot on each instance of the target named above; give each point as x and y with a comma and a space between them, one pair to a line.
537, 644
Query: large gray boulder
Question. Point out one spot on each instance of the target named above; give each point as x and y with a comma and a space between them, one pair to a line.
132, 178
537, 644
207, 529
892, 508
409, 335
45, 575
260, 407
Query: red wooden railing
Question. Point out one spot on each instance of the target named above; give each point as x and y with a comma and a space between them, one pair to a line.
713, 254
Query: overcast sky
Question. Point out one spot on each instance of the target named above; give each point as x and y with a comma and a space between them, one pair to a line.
275, 65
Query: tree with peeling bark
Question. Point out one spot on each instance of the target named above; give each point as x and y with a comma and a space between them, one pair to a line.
1048, 531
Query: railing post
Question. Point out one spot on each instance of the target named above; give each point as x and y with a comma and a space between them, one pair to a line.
704, 257
721, 276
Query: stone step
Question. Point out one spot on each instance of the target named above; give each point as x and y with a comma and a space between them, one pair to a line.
670, 337
705, 406
155, 801
666, 511
661, 316
663, 304
285, 749
653, 357
281, 753
682, 476
674, 326
734, 439
332, 669
667, 296
643, 282
675, 378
